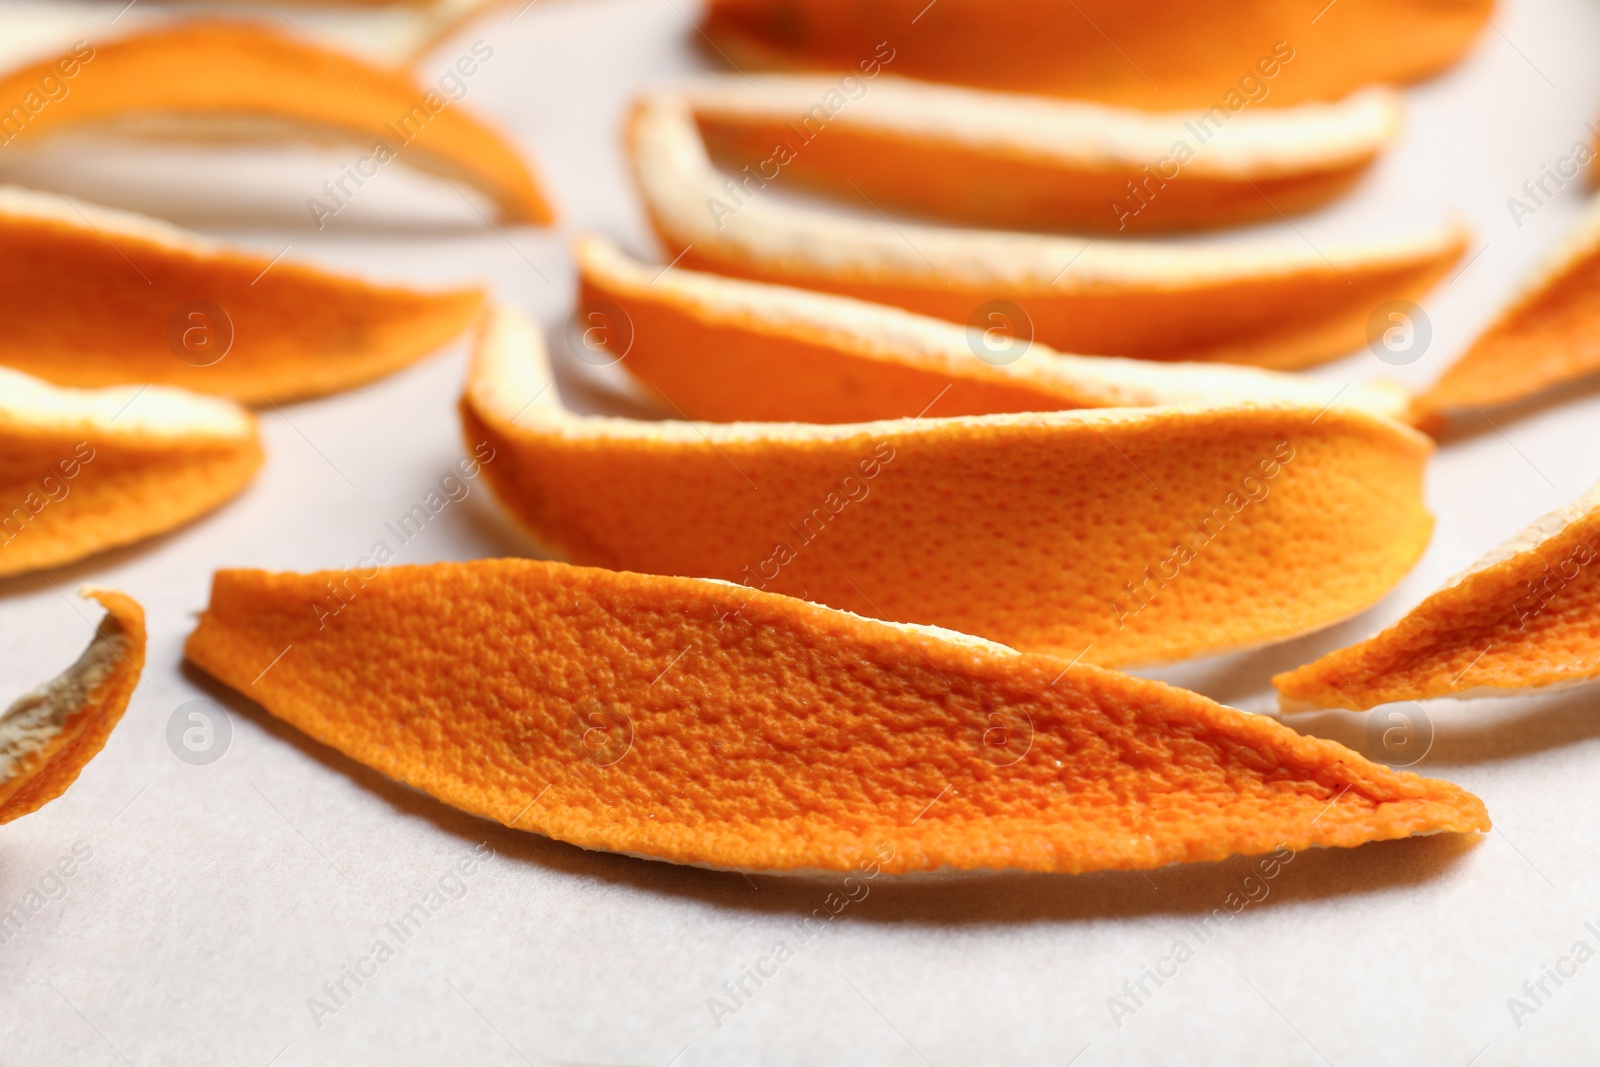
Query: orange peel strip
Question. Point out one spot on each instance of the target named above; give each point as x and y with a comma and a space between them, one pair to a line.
242, 79
1178, 54
1031, 529
1550, 335
82, 471
1281, 305
1524, 617
1023, 162
47, 736
726, 350
695, 722
95, 297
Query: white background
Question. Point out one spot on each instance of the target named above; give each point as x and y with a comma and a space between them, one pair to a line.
220, 898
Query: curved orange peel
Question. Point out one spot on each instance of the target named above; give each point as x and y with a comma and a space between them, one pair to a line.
1178, 54
1038, 530
695, 722
82, 471
1549, 335
726, 350
1524, 617
95, 297
47, 736
244, 80
1277, 305
1023, 162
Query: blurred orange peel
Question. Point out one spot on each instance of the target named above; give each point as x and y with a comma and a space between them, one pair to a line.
1023, 162
47, 736
1123, 535
1549, 336
94, 297
1280, 305
1169, 54
223, 80
726, 350
696, 722
1523, 618
82, 471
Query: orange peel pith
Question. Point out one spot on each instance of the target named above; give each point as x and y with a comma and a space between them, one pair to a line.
726, 350
1280, 305
696, 722
82, 471
243, 80
98, 297
1121, 535
1174, 54
1524, 617
1022, 162
47, 736
1549, 335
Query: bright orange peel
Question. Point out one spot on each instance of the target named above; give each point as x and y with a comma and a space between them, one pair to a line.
1125, 535
47, 736
96, 297
1550, 335
727, 350
228, 79
1280, 305
1524, 617
1023, 162
82, 471
1174, 54
697, 722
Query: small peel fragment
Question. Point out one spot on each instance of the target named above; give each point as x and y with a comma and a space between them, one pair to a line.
1283, 305
696, 722
1120, 535
727, 350
82, 471
1012, 161
1179, 54
1548, 336
1524, 617
47, 736
93, 296
244, 80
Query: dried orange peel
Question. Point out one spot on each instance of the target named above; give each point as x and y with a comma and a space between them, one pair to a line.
1550, 335
1124, 535
1275, 305
243, 80
1525, 617
696, 722
47, 736
97, 297
727, 350
82, 471
1175, 54
1022, 162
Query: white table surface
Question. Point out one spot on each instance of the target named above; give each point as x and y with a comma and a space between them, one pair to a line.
219, 898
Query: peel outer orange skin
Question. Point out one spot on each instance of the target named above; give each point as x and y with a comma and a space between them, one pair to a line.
55, 767
1020, 530
130, 490
1548, 337
1281, 322
1173, 55
820, 383
1499, 628
79, 315
770, 734
225, 69
945, 181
